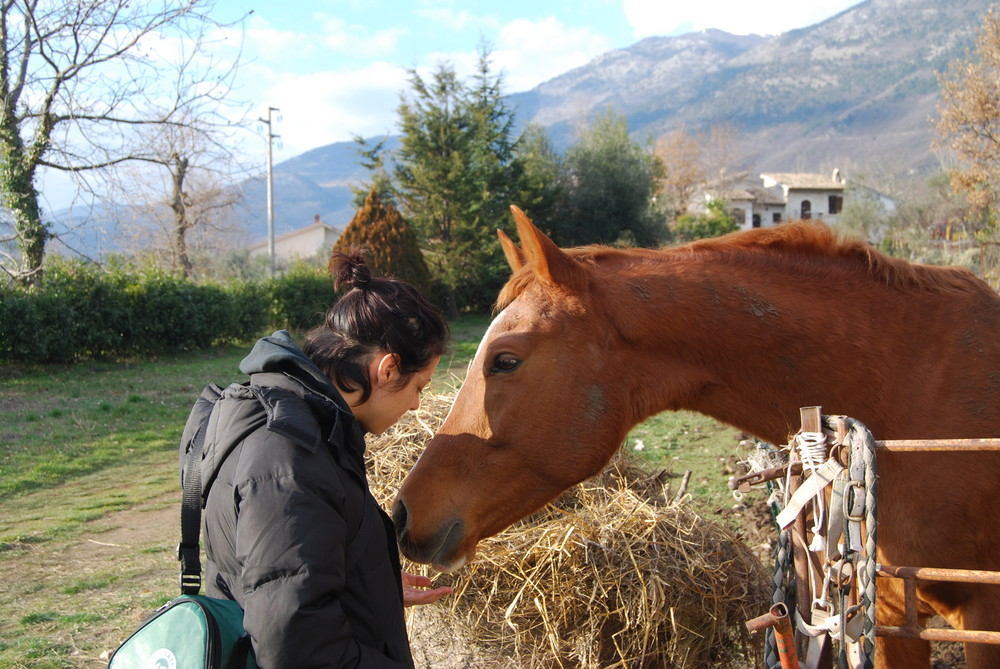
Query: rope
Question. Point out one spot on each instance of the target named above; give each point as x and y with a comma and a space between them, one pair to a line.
812, 450
871, 517
782, 565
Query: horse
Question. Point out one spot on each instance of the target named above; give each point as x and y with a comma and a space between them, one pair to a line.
746, 328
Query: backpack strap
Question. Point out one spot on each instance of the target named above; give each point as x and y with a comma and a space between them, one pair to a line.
189, 550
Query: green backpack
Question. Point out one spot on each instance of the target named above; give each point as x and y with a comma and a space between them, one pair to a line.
187, 632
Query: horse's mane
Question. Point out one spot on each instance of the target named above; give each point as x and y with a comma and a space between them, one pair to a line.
817, 244
814, 246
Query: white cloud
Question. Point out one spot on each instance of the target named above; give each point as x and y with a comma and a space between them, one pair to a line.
358, 41
457, 20
531, 52
261, 38
325, 107
656, 17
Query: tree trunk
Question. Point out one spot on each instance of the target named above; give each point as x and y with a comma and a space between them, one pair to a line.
181, 223
32, 233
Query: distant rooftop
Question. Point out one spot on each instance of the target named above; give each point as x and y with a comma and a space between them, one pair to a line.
805, 180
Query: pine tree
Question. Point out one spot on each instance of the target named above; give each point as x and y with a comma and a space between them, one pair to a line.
455, 175
389, 243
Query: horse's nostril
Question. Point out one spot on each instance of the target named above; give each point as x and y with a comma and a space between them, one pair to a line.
399, 517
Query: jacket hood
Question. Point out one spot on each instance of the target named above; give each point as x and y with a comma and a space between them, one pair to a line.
278, 353
299, 403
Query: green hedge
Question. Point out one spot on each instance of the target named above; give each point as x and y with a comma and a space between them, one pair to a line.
85, 312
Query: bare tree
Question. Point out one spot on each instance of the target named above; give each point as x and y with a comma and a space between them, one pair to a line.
77, 79
970, 117
721, 158
683, 169
183, 181
692, 161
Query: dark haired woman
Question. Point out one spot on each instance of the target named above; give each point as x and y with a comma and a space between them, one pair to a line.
291, 531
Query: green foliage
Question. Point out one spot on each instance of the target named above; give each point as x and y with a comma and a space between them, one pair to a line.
372, 158
540, 188
298, 299
864, 215
717, 222
85, 312
388, 240
455, 174
608, 185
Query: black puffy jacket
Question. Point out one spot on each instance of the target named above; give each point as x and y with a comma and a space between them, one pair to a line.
284, 458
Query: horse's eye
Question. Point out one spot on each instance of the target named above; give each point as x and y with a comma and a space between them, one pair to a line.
504, 364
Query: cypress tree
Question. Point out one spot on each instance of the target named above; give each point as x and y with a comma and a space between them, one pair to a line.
389, 243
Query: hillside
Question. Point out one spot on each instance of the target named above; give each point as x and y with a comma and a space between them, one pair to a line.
856, 88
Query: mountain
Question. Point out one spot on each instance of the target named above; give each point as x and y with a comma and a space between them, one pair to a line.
857, 91
858, 87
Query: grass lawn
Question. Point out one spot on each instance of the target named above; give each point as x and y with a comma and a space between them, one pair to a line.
89, 492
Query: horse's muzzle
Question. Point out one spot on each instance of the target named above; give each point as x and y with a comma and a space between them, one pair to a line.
438, 549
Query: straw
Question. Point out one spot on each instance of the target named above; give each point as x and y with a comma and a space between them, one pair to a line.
615, 573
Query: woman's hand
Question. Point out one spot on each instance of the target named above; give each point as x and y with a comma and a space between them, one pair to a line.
414, 594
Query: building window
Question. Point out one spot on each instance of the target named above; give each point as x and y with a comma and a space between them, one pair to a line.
807, 208
836, 203
776, 217
756, 220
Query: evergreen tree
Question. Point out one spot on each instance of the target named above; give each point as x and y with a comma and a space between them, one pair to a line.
372, 158
389, 242
455, 174
539, 189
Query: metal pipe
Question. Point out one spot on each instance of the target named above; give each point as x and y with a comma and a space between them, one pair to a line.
784, 633
926, 445
938, 634
941, 574
784, 637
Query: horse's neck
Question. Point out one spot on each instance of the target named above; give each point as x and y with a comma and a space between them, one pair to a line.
743, 345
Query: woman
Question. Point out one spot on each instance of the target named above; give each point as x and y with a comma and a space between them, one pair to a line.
291, 531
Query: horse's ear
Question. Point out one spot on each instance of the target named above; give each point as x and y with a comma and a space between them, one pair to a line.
514, 256
550, 263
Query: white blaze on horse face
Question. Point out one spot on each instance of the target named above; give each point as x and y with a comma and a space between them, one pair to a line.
476, 362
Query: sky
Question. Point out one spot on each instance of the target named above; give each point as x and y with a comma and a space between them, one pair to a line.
336, 68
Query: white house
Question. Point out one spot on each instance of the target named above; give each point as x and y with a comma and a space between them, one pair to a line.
785, 196
301, 243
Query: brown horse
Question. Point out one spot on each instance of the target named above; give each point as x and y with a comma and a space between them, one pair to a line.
747, 329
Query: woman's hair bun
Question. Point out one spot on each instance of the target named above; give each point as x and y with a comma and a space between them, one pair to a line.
350, 269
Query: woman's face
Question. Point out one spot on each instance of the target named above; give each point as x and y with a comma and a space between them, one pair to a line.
389, 400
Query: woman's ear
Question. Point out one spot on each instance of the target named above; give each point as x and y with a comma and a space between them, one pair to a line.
388, 369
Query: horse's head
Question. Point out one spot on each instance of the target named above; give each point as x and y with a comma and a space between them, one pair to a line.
538, 412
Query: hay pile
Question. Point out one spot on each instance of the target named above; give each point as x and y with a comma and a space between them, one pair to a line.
616, 573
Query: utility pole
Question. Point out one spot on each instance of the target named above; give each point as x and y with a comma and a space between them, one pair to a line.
270, 187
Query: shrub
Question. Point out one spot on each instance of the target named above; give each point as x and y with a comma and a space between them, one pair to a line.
715, 223
299, 299
83, 311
